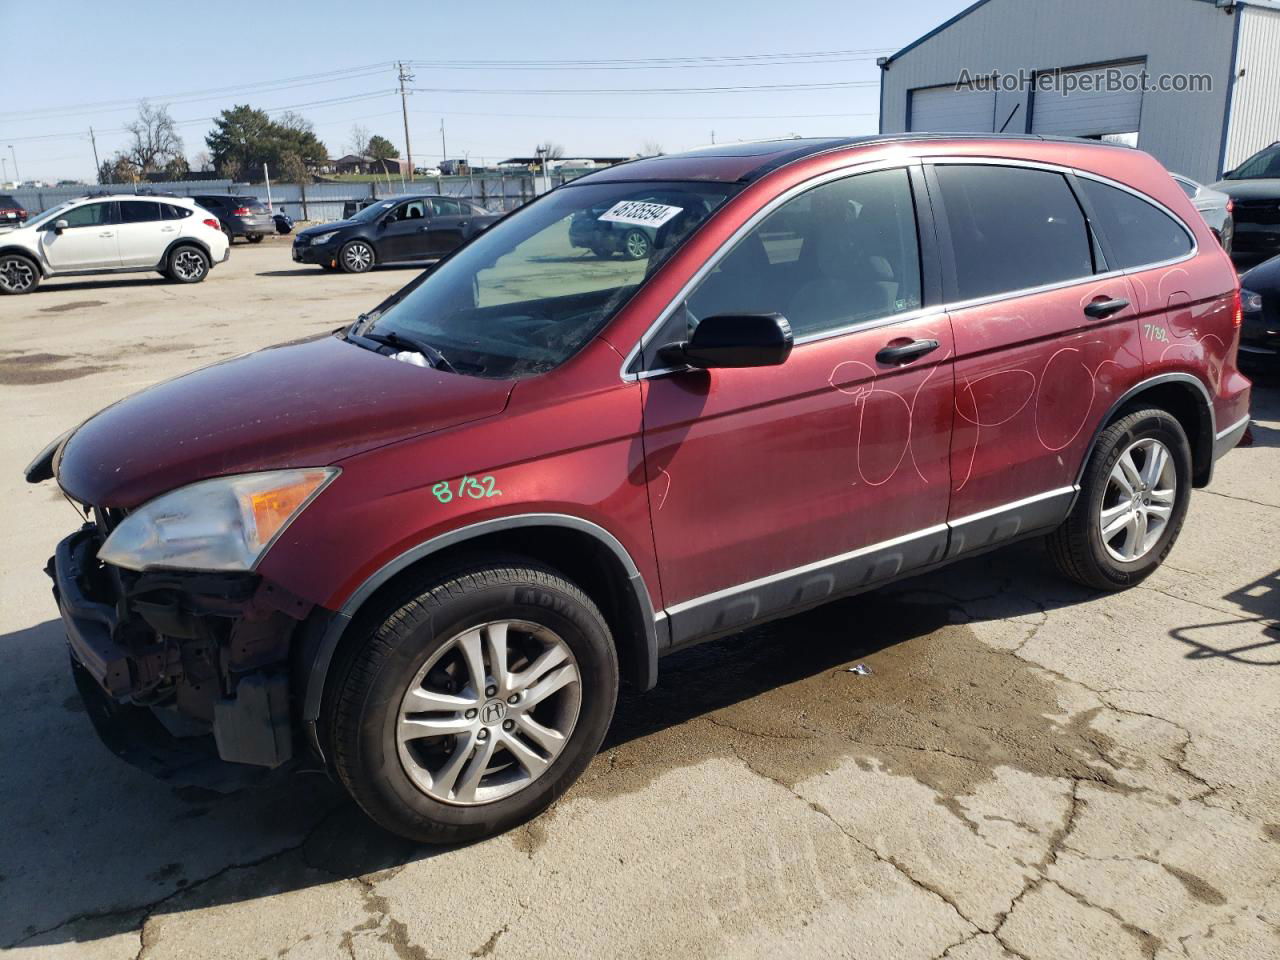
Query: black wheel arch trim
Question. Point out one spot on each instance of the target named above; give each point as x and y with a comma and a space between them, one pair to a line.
1137, 389
33, 257
185, 242
335, 625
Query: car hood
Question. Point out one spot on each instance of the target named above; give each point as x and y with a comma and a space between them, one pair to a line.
307, 403
326, 228
1249, 189
1264, 278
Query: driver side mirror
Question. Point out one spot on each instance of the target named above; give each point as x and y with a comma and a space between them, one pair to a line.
59, 226
737, 340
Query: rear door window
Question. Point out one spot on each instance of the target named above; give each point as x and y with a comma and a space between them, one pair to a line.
1012, 229
446, 208
1137, 232
138, 211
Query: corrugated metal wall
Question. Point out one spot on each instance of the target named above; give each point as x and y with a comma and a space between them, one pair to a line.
1183, 130
1255, 108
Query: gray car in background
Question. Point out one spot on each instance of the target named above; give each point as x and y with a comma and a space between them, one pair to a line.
1213, 205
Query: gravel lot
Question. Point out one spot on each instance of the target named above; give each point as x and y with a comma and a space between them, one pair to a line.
1030, 770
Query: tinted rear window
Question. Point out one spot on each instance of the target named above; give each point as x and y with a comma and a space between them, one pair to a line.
8, 201
1012, 229
255, 205
174, 212
1139, 233
138, 211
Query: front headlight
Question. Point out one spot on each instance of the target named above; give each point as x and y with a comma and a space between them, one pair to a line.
323, 238
222, 524
1250, 302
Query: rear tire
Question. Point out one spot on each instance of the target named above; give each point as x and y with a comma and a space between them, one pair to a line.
255, 238
1128, 514
636, 245
426, 785
187, 264
18, 274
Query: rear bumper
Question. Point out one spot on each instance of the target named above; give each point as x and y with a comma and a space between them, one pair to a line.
1227, 439
252, 228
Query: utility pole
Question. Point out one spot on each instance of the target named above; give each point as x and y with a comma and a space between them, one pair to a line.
404, 109
13, 153
97, 167
713, 138
444, 151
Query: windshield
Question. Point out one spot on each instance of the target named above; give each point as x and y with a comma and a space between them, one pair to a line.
373, 211
1263, 165
34, 221
526, 295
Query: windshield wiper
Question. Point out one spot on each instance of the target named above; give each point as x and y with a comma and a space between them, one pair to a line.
401, 341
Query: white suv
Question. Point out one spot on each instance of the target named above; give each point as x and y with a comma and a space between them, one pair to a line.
113, 234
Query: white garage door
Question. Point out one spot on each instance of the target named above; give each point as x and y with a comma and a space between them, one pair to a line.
1112, 105
948, 110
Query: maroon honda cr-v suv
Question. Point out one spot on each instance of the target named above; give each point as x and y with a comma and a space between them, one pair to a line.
427, 548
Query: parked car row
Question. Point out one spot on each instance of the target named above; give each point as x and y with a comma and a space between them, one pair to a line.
430, 567
122, 233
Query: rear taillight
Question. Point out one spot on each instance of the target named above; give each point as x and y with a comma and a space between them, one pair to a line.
1231, 205
241, 212
1237, 310
213, 223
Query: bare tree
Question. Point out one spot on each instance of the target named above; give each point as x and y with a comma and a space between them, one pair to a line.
552, 150
155, 141
230, 168
359, 140
202, 162
651, 148
295, 122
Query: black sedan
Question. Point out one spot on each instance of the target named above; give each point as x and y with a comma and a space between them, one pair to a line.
1260, 334
397, 229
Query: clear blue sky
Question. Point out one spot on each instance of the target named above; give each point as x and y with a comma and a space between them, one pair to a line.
79, 64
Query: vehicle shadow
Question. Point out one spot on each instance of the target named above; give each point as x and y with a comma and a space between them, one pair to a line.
314, 270
57, 285
122, 845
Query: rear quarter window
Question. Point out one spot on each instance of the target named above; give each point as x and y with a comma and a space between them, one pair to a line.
1138, 233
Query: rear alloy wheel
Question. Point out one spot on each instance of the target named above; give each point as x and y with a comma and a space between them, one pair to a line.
255, 238
474, 703
188, 265
18, 274
1133, 499
356, 257
635, 245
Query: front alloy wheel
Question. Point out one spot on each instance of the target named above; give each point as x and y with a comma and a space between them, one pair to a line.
467, 703
188, 265
489, 712
635, 245
18, 275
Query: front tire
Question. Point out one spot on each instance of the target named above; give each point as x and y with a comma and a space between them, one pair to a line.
188, 265
18, 274
1132, 503
473, 702
356, 257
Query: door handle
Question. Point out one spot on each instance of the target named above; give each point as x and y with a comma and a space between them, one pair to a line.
107, 234
1099, 309
167, 229
905, 352
464, 223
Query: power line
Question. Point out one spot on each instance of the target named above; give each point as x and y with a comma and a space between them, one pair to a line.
625, 91
265, 86
660, 61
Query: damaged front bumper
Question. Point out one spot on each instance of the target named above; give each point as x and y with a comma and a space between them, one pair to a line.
180, 664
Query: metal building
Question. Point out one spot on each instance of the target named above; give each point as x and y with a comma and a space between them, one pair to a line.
1194, 82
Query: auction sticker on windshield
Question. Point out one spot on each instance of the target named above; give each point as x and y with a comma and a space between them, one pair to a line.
639, 213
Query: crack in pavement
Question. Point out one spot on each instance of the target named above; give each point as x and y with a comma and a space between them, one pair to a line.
147, 910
